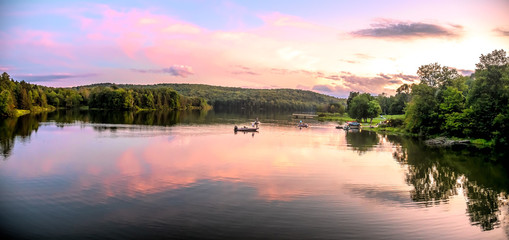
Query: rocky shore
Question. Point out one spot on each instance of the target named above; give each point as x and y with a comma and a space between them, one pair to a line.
445, 142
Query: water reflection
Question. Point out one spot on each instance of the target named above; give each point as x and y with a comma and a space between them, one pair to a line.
21, 127
439, 174
119, 172
362, 141
246, 133
483, 205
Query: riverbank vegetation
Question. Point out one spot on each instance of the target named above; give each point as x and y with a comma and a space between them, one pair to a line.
19, 98
446, 104
234, 98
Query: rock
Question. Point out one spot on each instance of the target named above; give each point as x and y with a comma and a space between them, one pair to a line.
444, 142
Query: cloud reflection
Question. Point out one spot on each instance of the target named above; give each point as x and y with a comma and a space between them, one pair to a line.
281, 164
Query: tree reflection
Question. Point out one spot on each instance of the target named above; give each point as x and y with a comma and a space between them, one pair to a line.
21, 127
438, 174
482, 206
362, 141
432, 184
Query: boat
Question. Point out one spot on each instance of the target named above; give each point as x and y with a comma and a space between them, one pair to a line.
352, 125
339, 127
245, 129
301, 125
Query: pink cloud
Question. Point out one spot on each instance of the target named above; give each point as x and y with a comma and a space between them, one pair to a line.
180, 28
174, 70
36, 37
283, 20
139, 46
95, 36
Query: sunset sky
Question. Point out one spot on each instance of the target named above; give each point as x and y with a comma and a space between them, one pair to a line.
331, 47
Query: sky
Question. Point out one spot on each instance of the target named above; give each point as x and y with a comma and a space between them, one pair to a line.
331, 47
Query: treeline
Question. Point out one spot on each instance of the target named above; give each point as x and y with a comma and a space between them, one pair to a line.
125, 99
234, 99
364, 106
445, 103
24, 96
230, 98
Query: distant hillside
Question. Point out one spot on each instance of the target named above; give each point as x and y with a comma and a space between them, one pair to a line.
231, 98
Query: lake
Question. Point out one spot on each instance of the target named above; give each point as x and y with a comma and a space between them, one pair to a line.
124, 175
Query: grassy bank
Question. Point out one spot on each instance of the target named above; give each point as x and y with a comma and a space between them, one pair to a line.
20, 112
36, 109
342, 118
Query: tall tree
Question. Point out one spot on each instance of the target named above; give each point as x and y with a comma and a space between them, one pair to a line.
6, 106
489, 96
435, 75
421, 117
349, 100
359, 107
374, 110
497, 58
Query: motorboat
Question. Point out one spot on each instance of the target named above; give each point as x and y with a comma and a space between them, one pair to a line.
245, 129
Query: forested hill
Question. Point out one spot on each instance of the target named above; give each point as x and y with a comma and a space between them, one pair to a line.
230, 98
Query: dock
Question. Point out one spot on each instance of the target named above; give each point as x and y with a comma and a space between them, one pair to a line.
303, 115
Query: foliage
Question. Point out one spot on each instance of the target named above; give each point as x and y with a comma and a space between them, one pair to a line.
497, 58
351, 96
395, 104
421, 117
359, 107
6, 106
231, 98
435, 75
374, 109
17, 96
337, 107
161, 96
475, 107
393, 122
489, 97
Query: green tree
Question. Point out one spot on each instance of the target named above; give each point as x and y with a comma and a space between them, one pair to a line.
489, 97
349, 100
374, 110
24, 101
6, 106
451, 114
435, 75
497, 58
359, 107
421, 116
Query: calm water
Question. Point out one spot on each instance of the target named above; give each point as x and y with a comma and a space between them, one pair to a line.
104, 175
